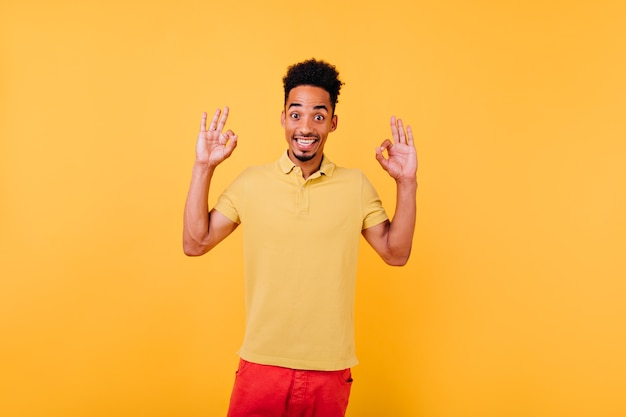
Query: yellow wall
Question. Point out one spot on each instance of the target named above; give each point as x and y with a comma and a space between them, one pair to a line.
514, 302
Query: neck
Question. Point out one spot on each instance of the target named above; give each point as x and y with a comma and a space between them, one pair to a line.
307, 167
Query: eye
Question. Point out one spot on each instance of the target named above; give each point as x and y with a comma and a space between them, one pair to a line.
319, 117
294, 116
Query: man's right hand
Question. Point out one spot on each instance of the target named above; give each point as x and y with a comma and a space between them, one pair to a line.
214, 145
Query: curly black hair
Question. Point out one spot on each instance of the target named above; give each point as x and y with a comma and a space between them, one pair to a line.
313, 72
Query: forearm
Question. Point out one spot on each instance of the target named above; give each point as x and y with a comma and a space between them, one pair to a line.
402, 226
196, 216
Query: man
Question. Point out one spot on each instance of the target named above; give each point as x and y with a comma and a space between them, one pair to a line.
303, 216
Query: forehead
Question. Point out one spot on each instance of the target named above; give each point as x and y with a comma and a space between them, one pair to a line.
308, 96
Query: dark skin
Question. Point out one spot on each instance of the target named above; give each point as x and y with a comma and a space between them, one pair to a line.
308, 118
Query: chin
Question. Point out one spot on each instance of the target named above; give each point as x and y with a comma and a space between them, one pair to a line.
306, 157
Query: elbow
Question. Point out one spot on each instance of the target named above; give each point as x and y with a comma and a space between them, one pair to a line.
401, 262
193, 249
396, 259
190, 252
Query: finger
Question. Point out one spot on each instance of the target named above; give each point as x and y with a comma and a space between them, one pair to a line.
231, 145
410, 135
402, 135
222, 121
384, 163
203, 122
226, 136
387, 144
394, 128
213, 124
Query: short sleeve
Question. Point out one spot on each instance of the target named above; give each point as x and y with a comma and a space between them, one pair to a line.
371, 206
230, 202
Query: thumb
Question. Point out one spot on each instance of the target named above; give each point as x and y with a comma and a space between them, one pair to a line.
384, 163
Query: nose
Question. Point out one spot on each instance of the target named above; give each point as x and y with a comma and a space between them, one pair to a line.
306, 126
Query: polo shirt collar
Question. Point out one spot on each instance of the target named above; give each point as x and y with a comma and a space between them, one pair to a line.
286, 165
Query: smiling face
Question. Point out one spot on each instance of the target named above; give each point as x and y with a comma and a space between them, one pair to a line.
308, 119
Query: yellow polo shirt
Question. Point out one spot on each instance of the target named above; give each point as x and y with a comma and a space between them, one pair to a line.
301, 240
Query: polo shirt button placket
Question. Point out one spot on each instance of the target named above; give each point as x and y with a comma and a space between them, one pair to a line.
303, 199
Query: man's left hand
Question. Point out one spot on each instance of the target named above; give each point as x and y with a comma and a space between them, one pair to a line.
401, 161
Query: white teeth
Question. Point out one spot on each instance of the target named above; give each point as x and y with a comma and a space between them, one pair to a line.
305, 141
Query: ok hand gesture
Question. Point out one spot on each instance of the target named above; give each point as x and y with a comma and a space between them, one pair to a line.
214, 145
401, 163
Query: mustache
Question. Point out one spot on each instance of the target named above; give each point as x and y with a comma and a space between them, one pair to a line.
307, 136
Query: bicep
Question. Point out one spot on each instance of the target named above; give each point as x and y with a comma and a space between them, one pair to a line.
220, 227
376, 236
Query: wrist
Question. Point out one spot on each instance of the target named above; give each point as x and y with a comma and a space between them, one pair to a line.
203, 167
411, 181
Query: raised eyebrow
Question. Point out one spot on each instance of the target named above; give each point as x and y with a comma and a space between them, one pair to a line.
318, 107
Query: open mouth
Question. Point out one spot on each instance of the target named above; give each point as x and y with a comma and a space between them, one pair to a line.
306, 143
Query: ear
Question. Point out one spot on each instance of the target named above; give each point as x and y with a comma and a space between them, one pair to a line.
334, 122
282, 118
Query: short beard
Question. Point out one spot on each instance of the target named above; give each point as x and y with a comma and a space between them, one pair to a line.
305, 158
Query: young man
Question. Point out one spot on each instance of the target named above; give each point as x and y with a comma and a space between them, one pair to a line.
302, 217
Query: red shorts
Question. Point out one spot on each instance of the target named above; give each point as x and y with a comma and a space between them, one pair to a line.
272, 391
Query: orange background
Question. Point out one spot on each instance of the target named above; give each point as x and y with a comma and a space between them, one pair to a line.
513, 303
